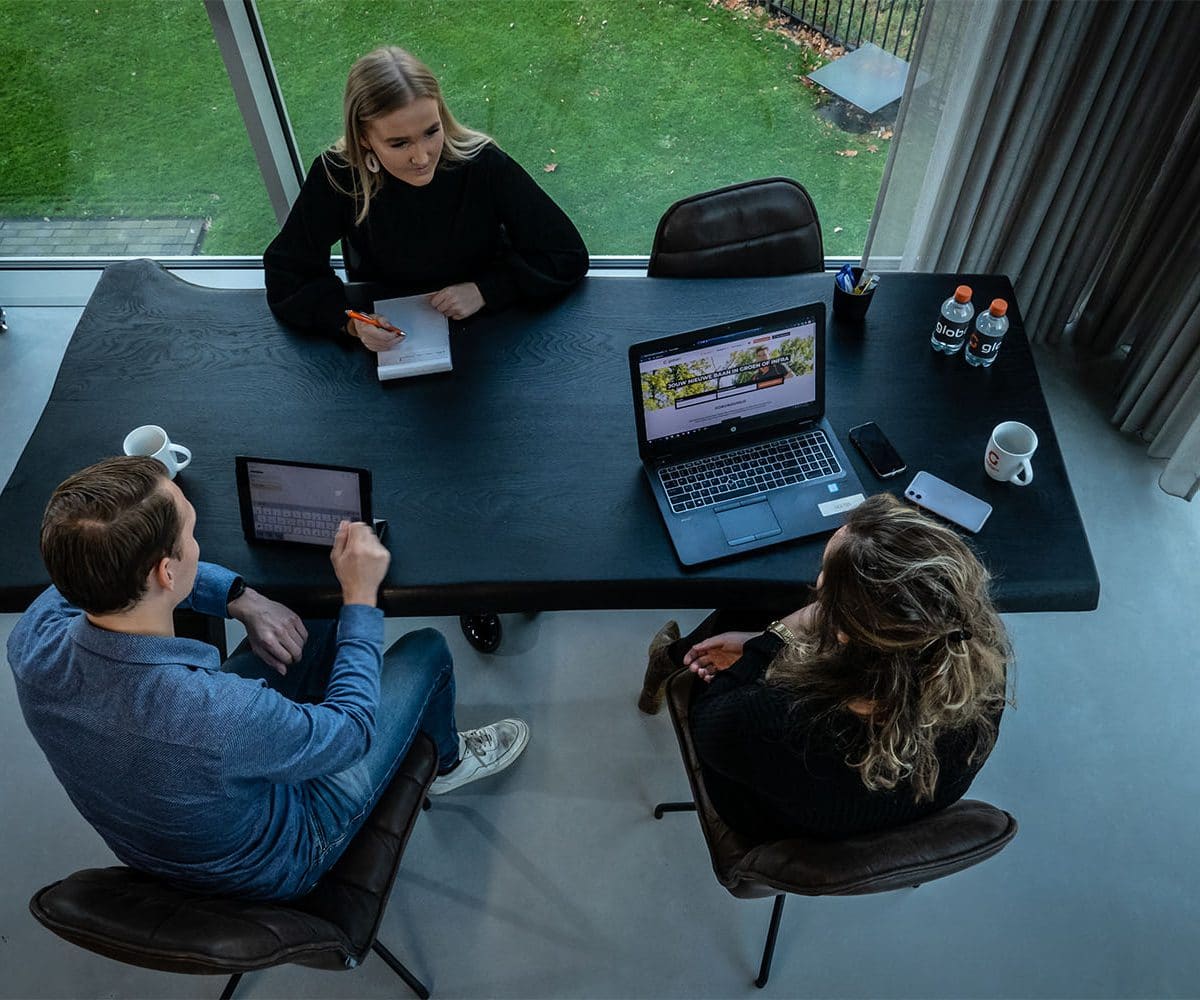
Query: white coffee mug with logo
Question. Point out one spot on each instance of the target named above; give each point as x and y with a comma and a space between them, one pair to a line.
1009, 450
152, 441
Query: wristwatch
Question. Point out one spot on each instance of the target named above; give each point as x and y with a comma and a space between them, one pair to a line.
783, 633
236, 589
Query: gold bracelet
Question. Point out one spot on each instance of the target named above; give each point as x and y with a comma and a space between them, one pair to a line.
783, 633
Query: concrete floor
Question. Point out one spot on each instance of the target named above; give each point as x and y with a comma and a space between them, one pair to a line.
554, 880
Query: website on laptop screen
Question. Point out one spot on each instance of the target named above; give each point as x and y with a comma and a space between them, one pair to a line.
736, 375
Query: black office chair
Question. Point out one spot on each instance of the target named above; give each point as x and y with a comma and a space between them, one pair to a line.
750, 230
137, 919
949, 841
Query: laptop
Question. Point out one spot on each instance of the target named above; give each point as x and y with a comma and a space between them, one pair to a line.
301, 502
733, 437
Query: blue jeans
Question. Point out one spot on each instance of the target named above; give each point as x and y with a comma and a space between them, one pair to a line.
416, 693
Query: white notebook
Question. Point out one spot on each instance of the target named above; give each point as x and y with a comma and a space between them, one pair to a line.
425, 349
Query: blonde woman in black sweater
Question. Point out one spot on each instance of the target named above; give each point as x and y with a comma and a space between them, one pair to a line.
874, 705
423, 204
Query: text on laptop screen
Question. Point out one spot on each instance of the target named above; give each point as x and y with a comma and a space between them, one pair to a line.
737, 375
293, 503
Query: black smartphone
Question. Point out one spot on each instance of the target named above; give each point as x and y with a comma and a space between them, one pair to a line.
874, 446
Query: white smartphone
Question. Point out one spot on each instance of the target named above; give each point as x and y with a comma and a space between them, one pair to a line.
947, 501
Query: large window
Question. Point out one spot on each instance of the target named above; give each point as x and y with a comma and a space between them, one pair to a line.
616, 107
122, 135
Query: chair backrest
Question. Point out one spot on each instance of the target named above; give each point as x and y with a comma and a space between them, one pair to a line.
754, 229
137, 919
948, 841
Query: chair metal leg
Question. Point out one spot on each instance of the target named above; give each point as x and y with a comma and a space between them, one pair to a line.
399, 968
764, 970
231, 986
673, 807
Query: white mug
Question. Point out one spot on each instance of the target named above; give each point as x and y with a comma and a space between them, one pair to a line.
1009, 450
152, 441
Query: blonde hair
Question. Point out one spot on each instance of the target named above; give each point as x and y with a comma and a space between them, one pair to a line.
920, 642
379, 83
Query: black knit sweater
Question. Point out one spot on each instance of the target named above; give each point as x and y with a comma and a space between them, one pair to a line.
484, 221
774, 771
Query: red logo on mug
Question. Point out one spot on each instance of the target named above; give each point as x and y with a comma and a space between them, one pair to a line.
993, 459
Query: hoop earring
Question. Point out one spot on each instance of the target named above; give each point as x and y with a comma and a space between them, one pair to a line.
372, 162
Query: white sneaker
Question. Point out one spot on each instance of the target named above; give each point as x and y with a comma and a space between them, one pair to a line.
483, 752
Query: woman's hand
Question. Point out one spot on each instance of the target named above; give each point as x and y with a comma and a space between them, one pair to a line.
375, 338
718, 653
458, 301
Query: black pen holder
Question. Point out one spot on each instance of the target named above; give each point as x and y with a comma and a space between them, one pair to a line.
852, 308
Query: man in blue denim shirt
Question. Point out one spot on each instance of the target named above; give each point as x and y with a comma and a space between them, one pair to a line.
248, 778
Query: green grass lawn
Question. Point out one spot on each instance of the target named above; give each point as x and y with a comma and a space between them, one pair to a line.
124, 108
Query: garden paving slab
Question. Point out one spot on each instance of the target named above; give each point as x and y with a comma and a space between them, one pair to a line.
67, 237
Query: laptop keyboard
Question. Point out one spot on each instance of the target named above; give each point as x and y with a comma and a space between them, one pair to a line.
761, 467
282, 522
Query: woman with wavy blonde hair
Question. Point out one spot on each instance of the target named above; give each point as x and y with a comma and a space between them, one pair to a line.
422, 204
874, 705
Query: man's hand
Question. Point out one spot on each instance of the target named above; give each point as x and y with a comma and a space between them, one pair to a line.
360, 562
718, 653
458, 301
276, 633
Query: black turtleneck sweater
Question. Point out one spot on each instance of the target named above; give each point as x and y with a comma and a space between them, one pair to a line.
484, 221
775, 771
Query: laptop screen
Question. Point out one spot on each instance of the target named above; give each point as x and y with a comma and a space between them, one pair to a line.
299, 501
748, 372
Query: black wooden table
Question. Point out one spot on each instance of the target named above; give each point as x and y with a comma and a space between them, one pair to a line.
513, 483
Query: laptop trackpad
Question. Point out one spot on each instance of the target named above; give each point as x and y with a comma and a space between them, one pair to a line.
748, 523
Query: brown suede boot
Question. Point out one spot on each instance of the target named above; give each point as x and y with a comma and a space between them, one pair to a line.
658, 668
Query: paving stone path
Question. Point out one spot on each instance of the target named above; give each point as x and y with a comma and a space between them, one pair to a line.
100, 237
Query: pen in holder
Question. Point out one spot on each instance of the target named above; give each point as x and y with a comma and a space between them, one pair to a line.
850, 305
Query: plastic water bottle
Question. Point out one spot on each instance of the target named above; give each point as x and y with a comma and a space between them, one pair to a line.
954, 324
990, 328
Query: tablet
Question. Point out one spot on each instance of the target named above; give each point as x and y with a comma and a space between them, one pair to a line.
299, 502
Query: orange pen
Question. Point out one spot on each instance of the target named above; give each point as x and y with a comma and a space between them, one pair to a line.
382, 324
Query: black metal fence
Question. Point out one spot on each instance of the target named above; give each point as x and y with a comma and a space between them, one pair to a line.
890, 24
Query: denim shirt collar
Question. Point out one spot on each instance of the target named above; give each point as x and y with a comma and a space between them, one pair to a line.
149, 650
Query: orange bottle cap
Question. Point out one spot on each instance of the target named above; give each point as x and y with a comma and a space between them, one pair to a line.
999, 307
962, 293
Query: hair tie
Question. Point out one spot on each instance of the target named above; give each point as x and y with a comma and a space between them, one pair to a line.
960, 635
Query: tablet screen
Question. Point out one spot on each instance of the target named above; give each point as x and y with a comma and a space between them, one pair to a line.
299, 502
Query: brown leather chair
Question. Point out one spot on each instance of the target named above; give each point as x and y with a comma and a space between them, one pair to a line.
137, 919
750, 230
963, 835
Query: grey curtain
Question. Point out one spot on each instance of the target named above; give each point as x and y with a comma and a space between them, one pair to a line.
1062, 151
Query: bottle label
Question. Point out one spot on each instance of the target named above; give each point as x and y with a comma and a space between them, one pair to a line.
984, 345
950, 333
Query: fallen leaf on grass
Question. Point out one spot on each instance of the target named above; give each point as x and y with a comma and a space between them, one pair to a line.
550, 167
846, 152
872, 148
837, 229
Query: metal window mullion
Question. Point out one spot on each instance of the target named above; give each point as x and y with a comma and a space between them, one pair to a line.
243, 45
